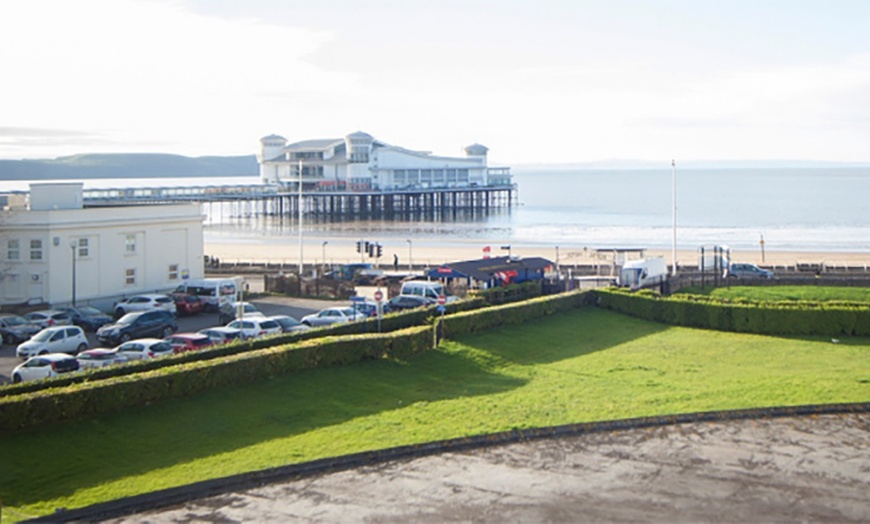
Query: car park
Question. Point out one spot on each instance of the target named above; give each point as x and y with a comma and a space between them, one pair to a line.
182, 342
99, 357
288, 324
145, 348
88, 318
232, 310
404, 302
744, 270
56, 339
222, 334
45, 366
255, 327
49, 317
187, 304
146, 302
333, 315
15, 329
156, 323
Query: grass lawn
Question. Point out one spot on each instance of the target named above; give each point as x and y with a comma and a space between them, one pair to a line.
584, 365
780, 293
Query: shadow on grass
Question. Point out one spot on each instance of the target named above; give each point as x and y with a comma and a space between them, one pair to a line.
54, 462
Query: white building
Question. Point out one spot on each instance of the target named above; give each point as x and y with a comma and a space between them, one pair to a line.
113, 251
359, 162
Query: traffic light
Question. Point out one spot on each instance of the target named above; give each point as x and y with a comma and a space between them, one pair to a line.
359, 246
370, 249
380, 250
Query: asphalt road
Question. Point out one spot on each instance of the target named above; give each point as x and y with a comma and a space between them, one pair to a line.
296, 308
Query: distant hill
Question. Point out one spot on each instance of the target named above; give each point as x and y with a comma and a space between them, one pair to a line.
128, 165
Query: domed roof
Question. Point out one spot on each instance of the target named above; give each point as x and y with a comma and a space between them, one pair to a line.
476, 150
360, 135
271, 138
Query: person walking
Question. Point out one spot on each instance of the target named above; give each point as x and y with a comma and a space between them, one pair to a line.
395, 262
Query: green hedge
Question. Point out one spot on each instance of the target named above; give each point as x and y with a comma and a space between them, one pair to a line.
116, 393
513, 313
511, 292
769, 318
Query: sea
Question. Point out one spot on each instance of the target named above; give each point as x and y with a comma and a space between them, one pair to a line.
789, 209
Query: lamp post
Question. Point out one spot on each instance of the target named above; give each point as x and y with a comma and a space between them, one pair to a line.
323, 255
410, 258
674, 199
507, 248
301, 260
73, 244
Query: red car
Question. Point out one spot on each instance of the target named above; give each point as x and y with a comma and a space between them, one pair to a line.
182, 342
187, 304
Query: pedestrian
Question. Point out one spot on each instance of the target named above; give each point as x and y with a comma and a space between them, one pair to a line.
395, 262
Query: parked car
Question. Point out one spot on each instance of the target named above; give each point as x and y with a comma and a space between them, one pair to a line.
87, 317
222, 334
369, 308
45, 366
49, 317
15, 329
288, 324
404, 302
230, 311
182, 342
144, 302
145, 348
187, 304
255, 327
100, 357
157, 323
56, 339
333, 315
744, 270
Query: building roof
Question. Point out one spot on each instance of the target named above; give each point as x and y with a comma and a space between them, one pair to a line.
476, 149
487, 268
319, 144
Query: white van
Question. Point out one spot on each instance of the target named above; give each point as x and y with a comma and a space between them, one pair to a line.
214, 292
426, 288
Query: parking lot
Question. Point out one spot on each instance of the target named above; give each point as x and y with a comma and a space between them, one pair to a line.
294, 307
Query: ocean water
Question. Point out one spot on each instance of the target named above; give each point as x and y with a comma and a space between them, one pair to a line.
791, 209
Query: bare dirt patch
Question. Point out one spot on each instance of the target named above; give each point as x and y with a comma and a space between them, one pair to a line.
786, 469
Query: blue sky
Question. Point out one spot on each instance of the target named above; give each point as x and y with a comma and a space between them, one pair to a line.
535, 81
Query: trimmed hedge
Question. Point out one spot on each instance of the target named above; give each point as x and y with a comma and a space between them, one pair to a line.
389, 323
513, 313
116, 393
511, 292
767, 318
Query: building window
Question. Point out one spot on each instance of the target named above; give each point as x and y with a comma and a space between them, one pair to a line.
13, 249
130, 244
130, 277
173, 272
83, 248
36, 250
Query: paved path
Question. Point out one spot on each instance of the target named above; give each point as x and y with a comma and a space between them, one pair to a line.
787, 469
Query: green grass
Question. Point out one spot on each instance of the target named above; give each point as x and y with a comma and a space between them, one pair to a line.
785, 293
584, 365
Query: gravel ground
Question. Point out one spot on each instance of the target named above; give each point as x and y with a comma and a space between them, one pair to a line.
787, 469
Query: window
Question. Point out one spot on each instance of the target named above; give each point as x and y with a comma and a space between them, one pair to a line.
130, 244
173, 272
130, 277
83, 248
36, 250
13, 249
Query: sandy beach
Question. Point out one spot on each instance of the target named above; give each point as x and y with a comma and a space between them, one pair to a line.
429, 253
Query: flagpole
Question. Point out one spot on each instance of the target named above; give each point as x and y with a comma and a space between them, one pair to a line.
674, 200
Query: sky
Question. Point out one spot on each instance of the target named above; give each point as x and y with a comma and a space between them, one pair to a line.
536, 81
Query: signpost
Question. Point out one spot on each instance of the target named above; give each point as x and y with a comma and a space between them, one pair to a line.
379, 297
442, 300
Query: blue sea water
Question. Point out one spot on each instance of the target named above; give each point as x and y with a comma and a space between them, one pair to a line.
797, 209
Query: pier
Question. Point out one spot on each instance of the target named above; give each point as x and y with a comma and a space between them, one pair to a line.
275, 200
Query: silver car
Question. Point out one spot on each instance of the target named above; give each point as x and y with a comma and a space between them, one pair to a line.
57, 339
333, 315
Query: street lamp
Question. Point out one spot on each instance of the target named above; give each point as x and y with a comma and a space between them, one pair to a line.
410, 258
301, 262
73, 244
674, 201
